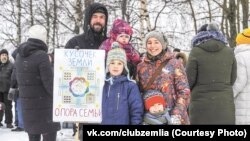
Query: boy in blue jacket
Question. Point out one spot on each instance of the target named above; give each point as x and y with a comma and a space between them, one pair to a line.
121, 101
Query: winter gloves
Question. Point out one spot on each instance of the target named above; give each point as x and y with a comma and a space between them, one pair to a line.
13, 94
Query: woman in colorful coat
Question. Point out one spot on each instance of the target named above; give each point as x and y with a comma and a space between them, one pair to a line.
211, 72
171, 80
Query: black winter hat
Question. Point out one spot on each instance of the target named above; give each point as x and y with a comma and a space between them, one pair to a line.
4, 51
100, 10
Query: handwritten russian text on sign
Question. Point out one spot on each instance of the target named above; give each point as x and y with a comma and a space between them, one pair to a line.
78, 81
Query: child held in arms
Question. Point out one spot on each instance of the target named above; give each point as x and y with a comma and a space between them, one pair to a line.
121, 32
156, 111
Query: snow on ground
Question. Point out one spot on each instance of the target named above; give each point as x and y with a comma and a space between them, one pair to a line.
7, 135
65, 134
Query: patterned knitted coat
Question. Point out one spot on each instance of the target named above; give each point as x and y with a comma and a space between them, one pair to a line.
171, 81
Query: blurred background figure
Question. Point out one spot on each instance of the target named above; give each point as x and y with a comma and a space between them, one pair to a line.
241, 86
211, 72
6, 68
175, 51
182, 57
35, 81
14, 96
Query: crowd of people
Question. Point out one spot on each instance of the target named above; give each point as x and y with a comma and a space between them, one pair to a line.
163, 87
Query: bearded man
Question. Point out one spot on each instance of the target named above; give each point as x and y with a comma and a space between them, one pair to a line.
95, 28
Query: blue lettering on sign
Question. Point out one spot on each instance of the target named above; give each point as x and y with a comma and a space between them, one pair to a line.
80, 58
80, 62
79, 53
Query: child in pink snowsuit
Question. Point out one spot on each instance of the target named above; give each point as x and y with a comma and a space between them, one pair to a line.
121, 32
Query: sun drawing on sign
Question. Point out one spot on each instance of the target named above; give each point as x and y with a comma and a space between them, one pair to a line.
79, 86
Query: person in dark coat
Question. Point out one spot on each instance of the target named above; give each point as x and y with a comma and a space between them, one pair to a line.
35, 81
95, 28
95, 32
211, 72
14, 96
6, 68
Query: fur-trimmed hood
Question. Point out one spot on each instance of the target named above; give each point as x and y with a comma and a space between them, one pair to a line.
208, 32
183, 56
204, 36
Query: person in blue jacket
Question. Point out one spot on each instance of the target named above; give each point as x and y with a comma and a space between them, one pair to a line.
121, 100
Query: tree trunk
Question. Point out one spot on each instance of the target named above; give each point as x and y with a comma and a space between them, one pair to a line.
79, 16
223, 20
209, 10
124, 9
19, 33
232, 24
54, 24
142, 26
238, 16
87, 3
47, 12
145, 14
31, 13
245, 11
193, 15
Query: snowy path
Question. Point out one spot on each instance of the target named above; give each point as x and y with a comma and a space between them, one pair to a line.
8, 135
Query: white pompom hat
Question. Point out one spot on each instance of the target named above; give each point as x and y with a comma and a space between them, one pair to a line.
38, 32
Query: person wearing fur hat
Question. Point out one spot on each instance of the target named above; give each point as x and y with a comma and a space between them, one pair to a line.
122, 33
182, 57
211, 72
6, 68
35, 81
95, 28
171, 79
175, 51
156, 112
121, 100
241, 86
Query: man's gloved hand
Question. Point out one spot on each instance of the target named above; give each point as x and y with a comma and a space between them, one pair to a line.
13, 94
175, 120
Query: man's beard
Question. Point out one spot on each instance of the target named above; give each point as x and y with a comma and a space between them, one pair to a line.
4, 60
97, 28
